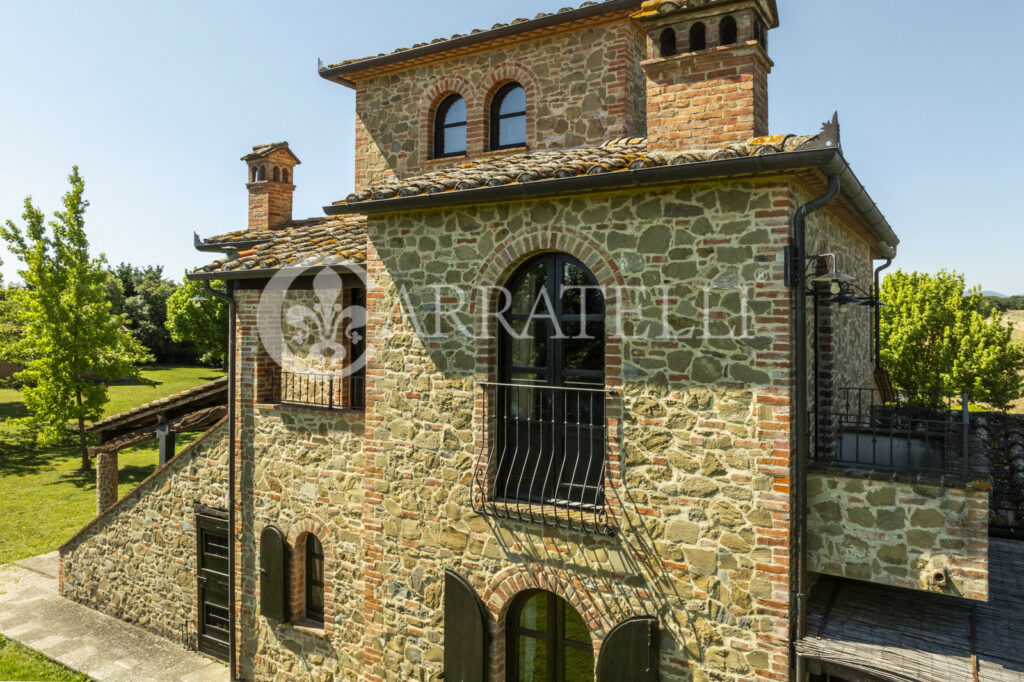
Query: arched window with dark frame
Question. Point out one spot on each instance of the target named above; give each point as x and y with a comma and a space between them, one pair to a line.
450, 127
508, 117
314, 580
698, 37
550, 399
728, 32
284, 176
667, 43
548, 640
277, 174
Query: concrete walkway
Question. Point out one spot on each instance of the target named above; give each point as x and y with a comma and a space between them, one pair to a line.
104, 648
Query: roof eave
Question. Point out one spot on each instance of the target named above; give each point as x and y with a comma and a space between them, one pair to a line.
338, 73
828, 161
269, 273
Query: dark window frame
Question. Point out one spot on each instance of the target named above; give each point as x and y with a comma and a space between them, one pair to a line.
668, 43
441, 127
314, 613
497, 117
698, 37
554, 640
728, 31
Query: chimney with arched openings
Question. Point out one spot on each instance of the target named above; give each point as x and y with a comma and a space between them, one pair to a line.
270, 175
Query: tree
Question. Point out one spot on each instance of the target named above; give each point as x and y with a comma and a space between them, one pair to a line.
938, 337
144, 294
73, 342
196, 317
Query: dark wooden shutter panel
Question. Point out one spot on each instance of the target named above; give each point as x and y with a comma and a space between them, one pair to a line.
630, 652
273, 575
465, 631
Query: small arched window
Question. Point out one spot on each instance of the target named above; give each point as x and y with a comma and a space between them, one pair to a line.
508, 117
727, 32
314, 579
668, 42
277, 174
450, 127
698, 37
263, 173
253, 172
284, 175
548, 640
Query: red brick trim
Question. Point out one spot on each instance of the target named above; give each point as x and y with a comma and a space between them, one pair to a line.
432, 98
301, 526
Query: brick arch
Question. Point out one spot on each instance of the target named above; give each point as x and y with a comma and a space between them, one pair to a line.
301, 526
505, 259
511, 72
503, 589
432, 98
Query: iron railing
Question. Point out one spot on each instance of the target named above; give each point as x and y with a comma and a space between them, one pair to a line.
328, 391
912, 433
544, 456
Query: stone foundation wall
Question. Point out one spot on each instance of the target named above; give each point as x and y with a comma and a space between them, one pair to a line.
900, 534
137, 562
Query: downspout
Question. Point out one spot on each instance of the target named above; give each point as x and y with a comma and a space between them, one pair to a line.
229, 298
878, 313
800, 426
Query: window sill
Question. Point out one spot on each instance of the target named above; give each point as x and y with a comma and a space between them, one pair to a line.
445, 159
310, 627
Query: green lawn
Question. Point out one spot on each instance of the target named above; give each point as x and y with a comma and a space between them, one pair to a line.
44, 497
20, 663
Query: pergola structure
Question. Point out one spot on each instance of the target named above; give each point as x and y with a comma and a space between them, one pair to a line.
192, 410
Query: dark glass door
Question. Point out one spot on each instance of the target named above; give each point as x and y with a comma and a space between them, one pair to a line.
214, 613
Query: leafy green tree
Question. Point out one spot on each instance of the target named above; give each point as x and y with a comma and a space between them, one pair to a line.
72, 342
939, 337
193, 316
144, 302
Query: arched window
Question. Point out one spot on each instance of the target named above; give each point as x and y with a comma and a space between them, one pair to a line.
698, 37
263, 173
508, 117
277, 174
450, 127
668, 42
551, 436
253, 172
284, 175
727, 32
548, 640
314, 580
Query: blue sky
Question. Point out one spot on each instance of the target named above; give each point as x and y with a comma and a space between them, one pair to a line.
157, 101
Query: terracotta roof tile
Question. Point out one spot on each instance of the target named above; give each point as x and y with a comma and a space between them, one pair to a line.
615, 155
206, 390
316, 241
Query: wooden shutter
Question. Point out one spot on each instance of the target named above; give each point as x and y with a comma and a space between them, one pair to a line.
273, 574
630, 652
465, 631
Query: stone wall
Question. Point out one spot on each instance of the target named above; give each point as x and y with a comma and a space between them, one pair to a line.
583, 86
137, 561
901, 534
698, 476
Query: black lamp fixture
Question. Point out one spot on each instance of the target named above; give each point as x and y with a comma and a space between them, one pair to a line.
841, 287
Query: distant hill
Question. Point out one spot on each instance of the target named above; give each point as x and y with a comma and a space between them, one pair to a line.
994, 294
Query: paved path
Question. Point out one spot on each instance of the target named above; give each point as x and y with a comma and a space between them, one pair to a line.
90, 642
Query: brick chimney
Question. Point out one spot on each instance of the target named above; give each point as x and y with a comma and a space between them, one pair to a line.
707, 71
271, 175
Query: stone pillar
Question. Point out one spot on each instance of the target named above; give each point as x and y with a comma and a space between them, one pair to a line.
106, 481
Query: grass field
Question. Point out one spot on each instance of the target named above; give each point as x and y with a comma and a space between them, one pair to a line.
44, 496
1017, 318
20, 663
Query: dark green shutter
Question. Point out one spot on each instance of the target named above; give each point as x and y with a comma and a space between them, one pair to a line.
273, 574
465, 631
630, 652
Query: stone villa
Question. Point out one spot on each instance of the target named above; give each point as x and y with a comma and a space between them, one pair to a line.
706, 477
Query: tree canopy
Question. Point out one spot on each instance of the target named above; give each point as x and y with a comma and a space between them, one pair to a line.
939, 337
73, 342
193, 316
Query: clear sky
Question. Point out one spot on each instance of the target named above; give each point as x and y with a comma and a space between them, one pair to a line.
158, 100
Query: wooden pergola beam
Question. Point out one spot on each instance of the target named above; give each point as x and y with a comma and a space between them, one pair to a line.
189, 422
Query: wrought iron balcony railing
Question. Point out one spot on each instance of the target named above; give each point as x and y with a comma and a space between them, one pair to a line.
328, 391
913, 433
544, 456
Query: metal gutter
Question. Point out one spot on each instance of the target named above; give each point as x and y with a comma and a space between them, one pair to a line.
267, 273
229, 298
338, 73
828, 161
